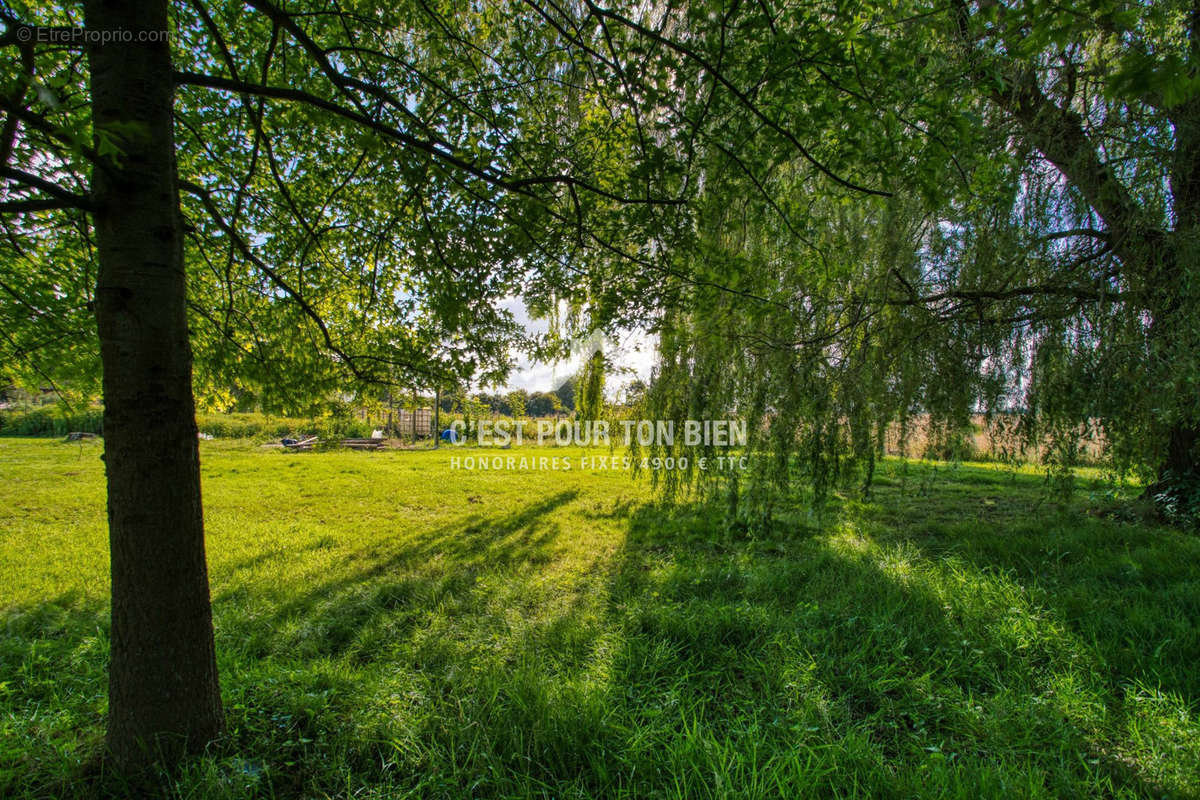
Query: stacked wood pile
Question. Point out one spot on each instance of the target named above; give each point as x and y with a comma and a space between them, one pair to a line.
362, 444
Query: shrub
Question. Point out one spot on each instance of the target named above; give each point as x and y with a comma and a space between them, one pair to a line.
56, 421
1178, 499
50, 421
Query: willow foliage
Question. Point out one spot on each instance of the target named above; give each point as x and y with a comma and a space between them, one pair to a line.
941, 211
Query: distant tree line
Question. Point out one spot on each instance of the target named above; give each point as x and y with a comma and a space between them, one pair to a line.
521, 402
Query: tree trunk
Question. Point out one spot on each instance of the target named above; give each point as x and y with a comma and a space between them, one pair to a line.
164, 697
1171, 335
1182, 457
1180, 465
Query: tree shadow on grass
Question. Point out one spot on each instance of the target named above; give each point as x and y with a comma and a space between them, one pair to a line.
398, 579
893, 652
282, 664
1131, 591
52, 693
804, 662
895, 673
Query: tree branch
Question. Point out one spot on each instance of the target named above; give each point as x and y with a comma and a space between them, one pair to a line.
64, 196
519, 185
741, 96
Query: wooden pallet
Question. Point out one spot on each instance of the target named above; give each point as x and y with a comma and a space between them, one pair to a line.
362, 444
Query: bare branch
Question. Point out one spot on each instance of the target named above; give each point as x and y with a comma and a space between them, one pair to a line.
64, 196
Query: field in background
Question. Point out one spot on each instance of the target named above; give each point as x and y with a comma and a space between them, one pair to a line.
997, 439
389, 627
994, 440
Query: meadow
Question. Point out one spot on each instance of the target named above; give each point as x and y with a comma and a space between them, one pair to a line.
390, 627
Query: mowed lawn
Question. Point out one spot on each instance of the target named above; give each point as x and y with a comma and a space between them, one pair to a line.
388, 627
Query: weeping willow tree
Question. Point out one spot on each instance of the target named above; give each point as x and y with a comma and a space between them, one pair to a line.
589, 394
926, 209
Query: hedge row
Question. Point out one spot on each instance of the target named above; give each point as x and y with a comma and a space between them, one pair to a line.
56, 422
261, 426
49, 421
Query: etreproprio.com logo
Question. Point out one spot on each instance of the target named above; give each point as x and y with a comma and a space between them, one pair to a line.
85, 36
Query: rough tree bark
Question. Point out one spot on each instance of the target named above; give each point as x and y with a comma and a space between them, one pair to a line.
1182, 460
164, 697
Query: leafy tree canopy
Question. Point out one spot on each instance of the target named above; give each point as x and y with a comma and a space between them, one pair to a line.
934, 209
835, 216
362, 185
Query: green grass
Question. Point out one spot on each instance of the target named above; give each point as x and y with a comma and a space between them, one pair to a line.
388, 627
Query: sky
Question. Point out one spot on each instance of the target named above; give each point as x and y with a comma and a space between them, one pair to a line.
630, 350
